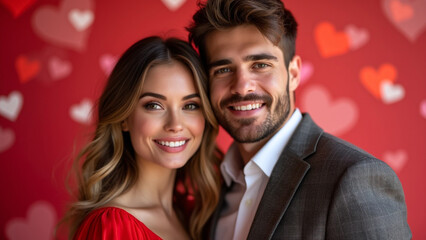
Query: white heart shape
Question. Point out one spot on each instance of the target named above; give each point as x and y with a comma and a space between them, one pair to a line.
11, 106
357, 37
81, 20
391, 92
82, 113
173, 4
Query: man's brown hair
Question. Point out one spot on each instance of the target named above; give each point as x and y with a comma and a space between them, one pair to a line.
270, 17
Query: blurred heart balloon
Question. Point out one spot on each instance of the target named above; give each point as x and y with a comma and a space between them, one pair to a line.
409, 17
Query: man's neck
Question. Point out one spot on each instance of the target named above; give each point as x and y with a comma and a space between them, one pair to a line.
248, 150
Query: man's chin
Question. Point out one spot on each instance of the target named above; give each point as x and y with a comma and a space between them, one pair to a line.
246, 133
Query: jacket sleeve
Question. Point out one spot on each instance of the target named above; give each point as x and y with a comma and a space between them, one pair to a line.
368, 203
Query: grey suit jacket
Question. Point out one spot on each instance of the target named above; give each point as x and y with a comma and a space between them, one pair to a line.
325, 188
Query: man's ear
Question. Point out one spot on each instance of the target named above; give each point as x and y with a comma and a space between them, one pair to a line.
124, 126
294, 69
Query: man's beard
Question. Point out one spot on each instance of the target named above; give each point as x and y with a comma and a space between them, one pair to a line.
247, 132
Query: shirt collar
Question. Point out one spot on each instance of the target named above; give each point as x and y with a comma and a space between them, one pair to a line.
265, 158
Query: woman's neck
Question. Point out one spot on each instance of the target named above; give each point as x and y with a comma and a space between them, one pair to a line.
152, 189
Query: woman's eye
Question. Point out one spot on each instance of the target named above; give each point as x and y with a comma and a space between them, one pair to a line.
153, 106
192, 106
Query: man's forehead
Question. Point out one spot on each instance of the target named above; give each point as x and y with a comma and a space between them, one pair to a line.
238, 42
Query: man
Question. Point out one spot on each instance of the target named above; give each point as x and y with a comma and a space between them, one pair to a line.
284, 177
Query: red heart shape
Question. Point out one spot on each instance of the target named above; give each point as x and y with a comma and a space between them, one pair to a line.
372, 79
17, 7
27, 69
329, 41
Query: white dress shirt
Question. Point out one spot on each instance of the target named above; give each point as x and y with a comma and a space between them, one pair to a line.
247, 183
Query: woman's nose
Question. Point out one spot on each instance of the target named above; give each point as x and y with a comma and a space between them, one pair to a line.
174, 122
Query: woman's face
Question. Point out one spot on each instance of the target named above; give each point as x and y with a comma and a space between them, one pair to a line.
167, 125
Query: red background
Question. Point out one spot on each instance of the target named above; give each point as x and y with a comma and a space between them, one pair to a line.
51, 63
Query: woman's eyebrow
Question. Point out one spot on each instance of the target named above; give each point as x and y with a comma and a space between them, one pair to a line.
156, 95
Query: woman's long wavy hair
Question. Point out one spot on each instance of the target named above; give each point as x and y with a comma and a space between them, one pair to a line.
106, 167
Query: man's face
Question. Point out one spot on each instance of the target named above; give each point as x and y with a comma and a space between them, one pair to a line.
250, 89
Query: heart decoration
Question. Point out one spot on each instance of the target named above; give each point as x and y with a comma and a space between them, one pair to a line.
330, 42
391, 92
39, 223
396, 159
11, 105
17, 7
82, 113
306, 72
7, 138
66, 26
81, 20
373, 80
400, 11
27, 69
408, 16
335, 116
59, 68
357, 37
423, 108
173, 5
107, 63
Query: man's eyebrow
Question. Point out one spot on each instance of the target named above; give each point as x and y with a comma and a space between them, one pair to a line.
220, 62
261, 56
253, 57
156, 95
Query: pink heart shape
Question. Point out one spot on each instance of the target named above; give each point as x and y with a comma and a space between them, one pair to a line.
52, 24
59, 68
7, 138
107, 63
396, 160
306, 72
423, 108
357, 37
39, 223
335, 116
407, 16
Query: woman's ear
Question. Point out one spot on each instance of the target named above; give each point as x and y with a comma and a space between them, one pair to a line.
124, 126
294, 69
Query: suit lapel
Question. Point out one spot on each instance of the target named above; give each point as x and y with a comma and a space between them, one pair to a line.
285, 179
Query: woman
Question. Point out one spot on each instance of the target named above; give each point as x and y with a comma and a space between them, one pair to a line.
153, 149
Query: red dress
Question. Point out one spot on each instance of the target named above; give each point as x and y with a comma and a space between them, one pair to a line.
110, 223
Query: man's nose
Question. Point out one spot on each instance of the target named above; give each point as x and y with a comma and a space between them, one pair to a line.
242, 84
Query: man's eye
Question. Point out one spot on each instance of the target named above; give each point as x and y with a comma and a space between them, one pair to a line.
191, 106
260, 65
153, 106
222, 71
